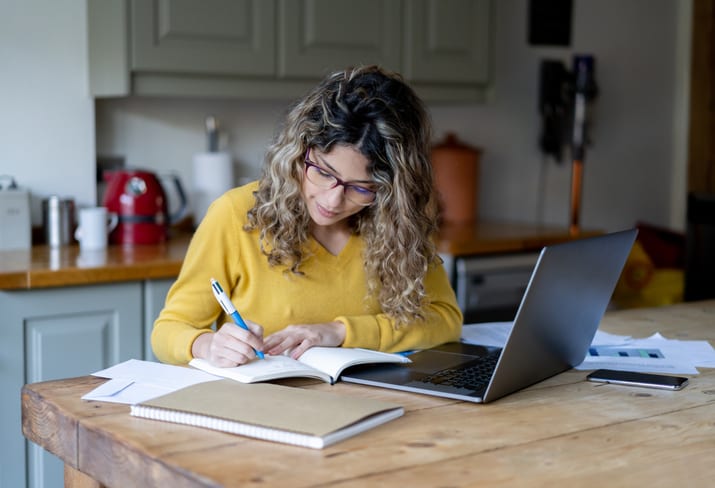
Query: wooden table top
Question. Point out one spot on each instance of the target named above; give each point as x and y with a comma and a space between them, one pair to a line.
561, 432
42, 266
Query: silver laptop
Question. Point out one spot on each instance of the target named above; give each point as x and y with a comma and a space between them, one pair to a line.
568, 292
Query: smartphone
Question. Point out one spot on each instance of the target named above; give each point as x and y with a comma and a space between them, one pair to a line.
633, 378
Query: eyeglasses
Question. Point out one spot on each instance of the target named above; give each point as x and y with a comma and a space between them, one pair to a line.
322, 179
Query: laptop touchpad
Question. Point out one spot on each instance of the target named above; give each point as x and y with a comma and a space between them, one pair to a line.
447, 356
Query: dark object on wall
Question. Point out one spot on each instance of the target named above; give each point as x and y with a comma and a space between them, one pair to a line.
565, 99
700, 247
554, 106
550, 22
585, 91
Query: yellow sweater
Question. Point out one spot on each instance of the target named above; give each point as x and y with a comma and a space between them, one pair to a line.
332, 288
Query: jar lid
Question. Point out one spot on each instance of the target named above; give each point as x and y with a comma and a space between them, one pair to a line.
56, 201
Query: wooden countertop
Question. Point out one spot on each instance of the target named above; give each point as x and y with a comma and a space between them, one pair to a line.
493, 237
561, 432
42, 266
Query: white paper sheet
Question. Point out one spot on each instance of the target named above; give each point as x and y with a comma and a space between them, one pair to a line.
496, 333
135, 381
654, 354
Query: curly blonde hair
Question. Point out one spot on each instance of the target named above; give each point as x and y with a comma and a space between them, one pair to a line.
376, 113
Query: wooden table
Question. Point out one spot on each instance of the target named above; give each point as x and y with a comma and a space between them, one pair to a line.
562, 432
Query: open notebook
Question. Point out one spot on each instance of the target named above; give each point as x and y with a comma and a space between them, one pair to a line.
324, 363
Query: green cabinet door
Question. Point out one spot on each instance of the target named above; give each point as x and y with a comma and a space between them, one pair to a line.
447, 41
57, 333
318, 36
218, 37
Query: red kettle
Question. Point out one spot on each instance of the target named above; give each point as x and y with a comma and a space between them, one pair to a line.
139, 200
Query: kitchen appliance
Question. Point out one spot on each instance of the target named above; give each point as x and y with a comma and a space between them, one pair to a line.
140, 202
489, 288
15, 231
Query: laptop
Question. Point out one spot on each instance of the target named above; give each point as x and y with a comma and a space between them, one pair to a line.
565, 299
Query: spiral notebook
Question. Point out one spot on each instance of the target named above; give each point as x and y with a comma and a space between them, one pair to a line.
303, 417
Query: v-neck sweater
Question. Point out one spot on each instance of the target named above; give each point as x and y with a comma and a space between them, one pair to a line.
331, 288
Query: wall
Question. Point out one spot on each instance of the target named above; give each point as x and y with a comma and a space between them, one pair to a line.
47, 117
637, 148
634, 169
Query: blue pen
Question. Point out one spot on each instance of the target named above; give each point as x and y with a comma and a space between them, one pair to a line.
228, 307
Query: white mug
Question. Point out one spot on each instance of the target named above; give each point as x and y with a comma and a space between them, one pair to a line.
95, 224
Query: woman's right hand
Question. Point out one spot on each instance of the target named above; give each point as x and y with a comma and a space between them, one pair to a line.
230, 345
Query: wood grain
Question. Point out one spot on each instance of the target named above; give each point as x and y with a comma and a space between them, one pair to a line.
43, 267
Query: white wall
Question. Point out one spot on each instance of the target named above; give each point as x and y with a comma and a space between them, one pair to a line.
637, 148
634, 170
46, 115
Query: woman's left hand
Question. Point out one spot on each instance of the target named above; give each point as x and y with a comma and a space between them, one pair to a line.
300, 338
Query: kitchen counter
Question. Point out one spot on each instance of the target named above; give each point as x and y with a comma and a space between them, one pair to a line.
495, 237
44, 267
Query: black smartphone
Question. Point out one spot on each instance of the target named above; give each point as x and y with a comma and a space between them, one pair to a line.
632, 378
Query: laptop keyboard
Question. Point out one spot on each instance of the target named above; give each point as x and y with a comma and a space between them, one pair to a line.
474, 375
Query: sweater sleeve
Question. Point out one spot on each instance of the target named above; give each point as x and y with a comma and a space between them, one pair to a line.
442, 323
190, 309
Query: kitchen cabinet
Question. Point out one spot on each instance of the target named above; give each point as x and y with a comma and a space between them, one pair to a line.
280, 48
321, 34
218, 37
64, 332
155, 292
447, 41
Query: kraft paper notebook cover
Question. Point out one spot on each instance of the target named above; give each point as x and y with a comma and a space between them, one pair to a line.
324, 363
277, 413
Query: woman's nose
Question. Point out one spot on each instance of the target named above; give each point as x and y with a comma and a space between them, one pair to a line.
336, 195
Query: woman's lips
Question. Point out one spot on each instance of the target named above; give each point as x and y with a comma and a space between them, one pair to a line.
325, 212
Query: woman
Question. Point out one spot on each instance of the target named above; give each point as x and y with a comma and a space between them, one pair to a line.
332, 247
